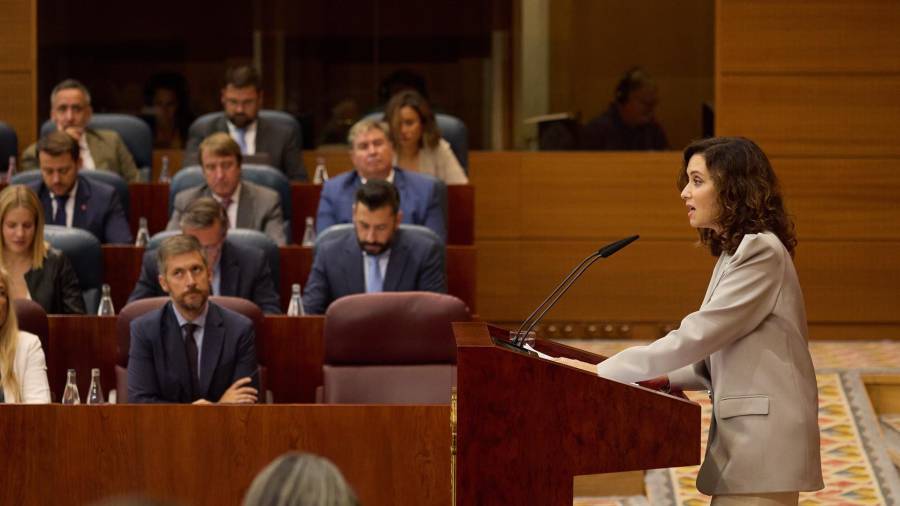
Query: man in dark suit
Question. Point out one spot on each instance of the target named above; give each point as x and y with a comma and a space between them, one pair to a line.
190, 350
375, 255
70, 110
247, 204
71, 200
373, 157
242, 98
236, 270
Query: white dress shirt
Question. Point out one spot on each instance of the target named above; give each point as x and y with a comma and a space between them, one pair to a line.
70, 205
249, 136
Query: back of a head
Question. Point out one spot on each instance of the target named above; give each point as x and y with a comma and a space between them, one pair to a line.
300, 479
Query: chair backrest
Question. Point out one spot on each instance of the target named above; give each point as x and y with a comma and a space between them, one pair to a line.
242, 236
453, 130
391, 348
9, 145
134, 131
32, 318
142, 306
263, 175
104, 176
83, 251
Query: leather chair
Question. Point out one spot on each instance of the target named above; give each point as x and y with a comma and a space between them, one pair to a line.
104, 176
242, 236
134, 131
9, 145
453, 130
391, 348
83, 250
142, 306
263, 175
32, 318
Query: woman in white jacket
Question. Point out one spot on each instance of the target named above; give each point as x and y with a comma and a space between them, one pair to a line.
747, 344
23, 371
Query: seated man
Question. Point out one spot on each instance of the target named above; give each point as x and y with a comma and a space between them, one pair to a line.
190, 350
629, 124
373, 155
375, 255
247, 204
72, 200
242, 98
235, 270
70, 109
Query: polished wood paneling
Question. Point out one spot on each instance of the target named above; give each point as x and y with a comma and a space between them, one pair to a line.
296, 262
149, 200
81, 343
828, 116
293, 354
17, 105
819, 36
121, 271
337, 160
208, 456
175, 157
18, 68
498, 200
17, 44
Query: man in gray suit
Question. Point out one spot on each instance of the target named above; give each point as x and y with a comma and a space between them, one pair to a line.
376, 254
247, 204
70, 110
242, 98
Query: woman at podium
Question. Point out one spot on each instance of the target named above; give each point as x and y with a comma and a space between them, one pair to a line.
747, 343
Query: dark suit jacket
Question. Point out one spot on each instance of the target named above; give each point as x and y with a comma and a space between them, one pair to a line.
281, 144
244, 273
416, 263
419, 200
98, 210
157, 362
55, 285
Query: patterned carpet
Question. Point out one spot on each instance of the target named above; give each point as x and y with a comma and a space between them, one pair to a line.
856, 456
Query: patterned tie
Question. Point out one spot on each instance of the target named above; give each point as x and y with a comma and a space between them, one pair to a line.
190, 348
59, 217
226, 203
241, 140
373, 280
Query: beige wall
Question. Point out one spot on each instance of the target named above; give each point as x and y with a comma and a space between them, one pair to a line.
593, 42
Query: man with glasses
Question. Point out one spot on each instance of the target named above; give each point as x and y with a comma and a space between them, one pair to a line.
70, 110
248, 205
242, 99
74, 201
235, 270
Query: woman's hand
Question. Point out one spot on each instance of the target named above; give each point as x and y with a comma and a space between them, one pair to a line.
660, 383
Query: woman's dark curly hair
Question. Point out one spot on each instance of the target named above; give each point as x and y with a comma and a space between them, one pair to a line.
748, 193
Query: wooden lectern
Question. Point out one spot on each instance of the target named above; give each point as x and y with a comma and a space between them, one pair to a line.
526, 426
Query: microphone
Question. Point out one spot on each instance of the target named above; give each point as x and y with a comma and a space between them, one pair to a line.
564, 286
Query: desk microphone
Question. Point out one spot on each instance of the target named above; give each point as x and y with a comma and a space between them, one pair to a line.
564, 285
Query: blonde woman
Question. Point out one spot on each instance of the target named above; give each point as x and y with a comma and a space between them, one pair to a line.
35, 270
417, 139
22, 366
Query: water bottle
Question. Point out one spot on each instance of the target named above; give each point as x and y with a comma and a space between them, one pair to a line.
95, 394
143, 233
295, 308
106, 304
309, 233
164, 176
11, 168
70, 394
321, 174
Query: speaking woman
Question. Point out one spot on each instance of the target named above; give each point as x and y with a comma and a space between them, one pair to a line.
747, 344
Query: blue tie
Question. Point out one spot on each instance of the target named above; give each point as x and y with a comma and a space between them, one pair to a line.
373, 280
59, 217
242, 142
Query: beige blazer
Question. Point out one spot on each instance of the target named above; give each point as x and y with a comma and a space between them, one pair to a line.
107, 149
441, 163
31, 371
747, 345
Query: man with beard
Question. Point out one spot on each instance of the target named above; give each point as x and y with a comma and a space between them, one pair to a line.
190, 350
375, 255
242, 99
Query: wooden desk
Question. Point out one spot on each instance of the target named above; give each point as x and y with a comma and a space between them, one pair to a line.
208, 455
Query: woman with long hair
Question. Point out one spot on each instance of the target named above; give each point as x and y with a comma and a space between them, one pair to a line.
36, 271
747, 344
417, 140
23, 370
